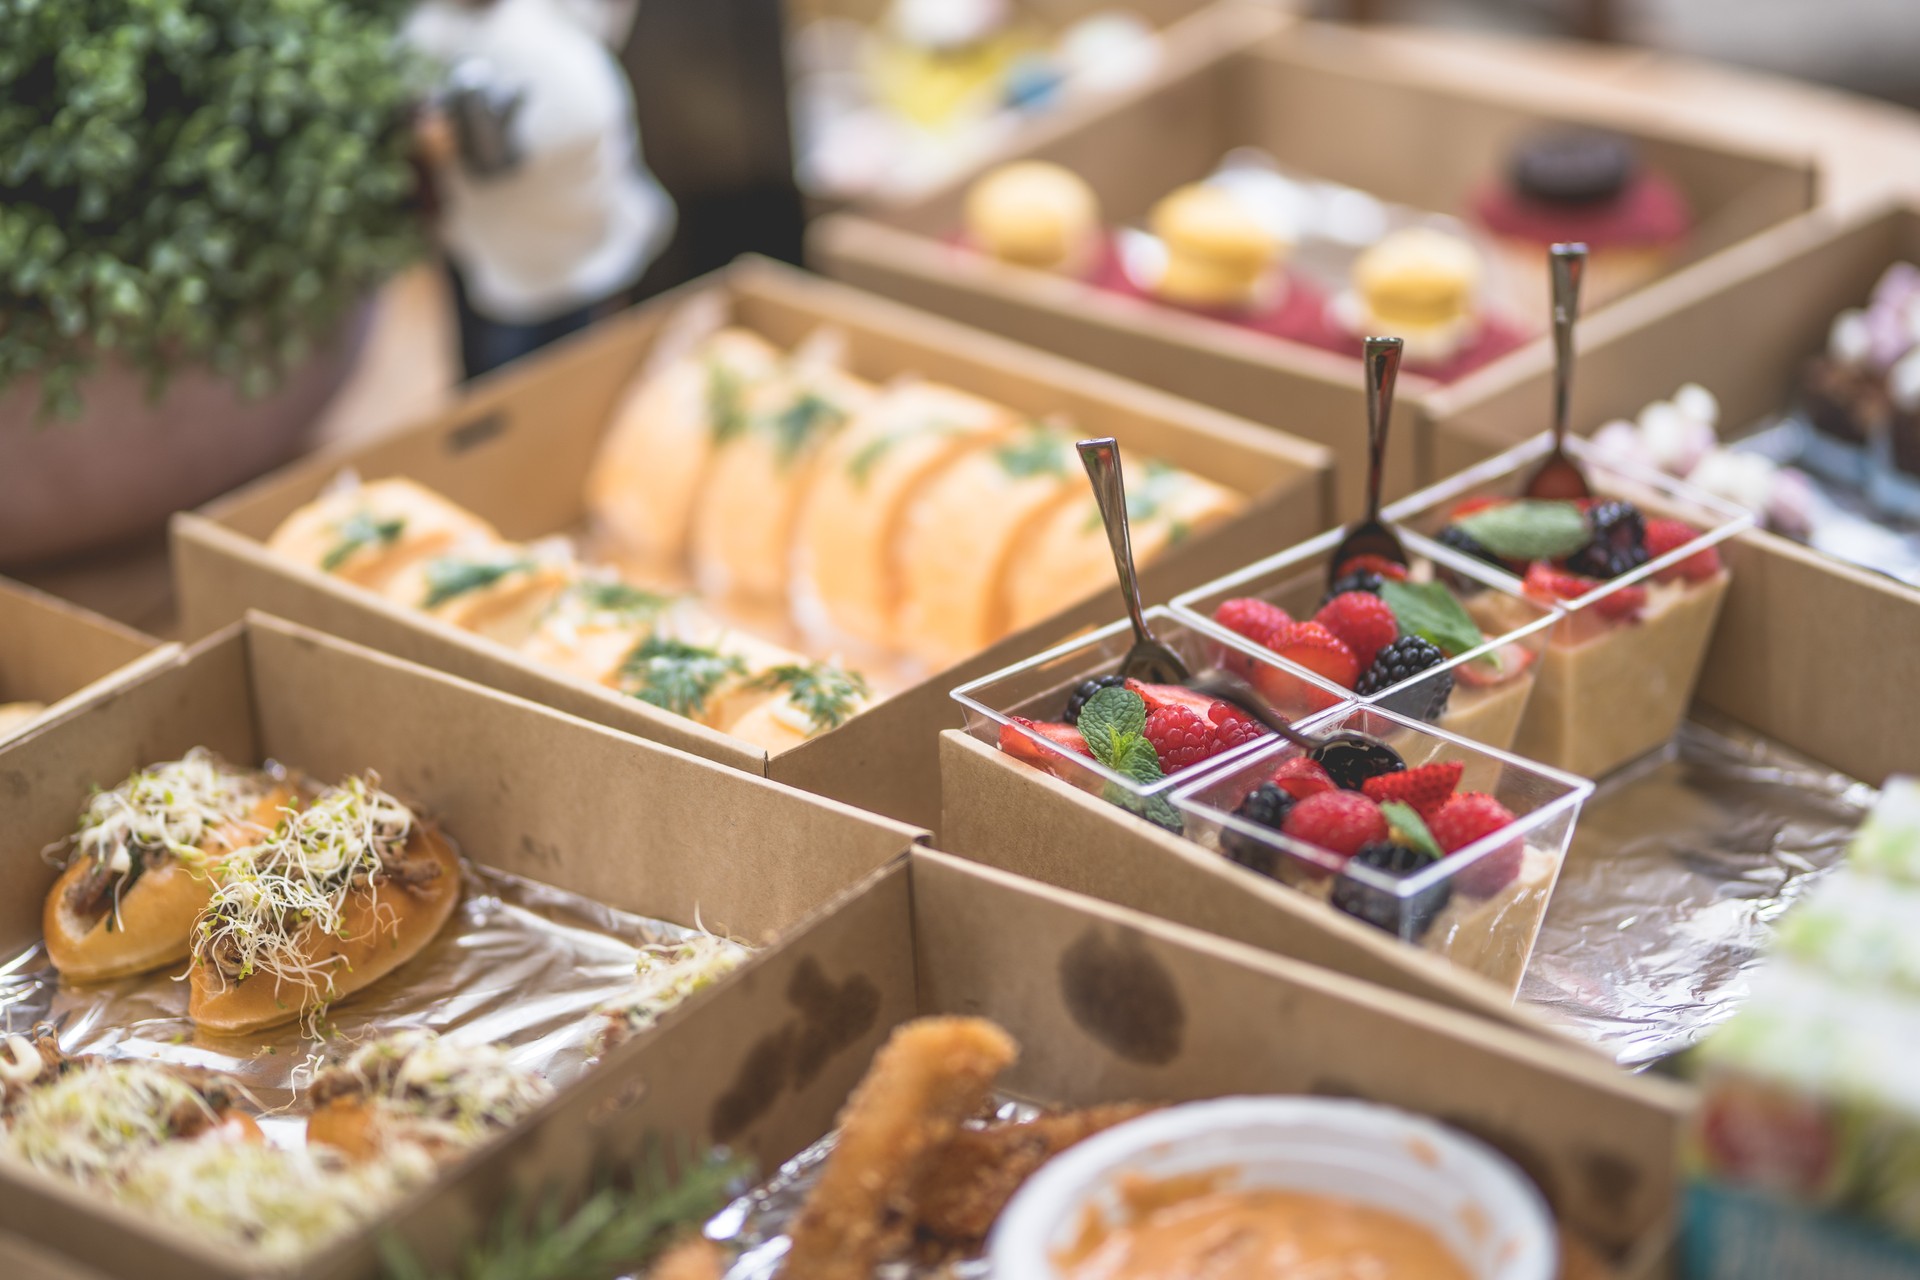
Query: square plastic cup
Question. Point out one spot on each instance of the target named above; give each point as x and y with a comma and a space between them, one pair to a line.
1038, 689
1619, 670
1479, 907
1479, 693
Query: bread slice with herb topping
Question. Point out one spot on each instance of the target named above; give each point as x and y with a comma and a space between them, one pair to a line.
371, 533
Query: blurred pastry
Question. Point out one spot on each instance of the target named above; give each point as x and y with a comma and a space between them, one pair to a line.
1575, 185
371, 533
643, 485
497, 589
1419, 284
847, 582
1219, 254
1035, 214
15, 716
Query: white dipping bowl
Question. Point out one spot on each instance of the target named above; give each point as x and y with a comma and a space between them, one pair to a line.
1471, 1197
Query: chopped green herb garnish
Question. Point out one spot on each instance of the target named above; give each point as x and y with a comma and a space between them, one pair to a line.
1038, 452
726, 402
622, 598
361, 530
451, 576
794, 425
677, 676
860, 466
827, 694
1147, 499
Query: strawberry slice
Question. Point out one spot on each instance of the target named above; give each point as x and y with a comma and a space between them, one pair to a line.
1065, 737
1467, 506
1426, 787
1310, 645
1171, 695
1669, 535
1496, 667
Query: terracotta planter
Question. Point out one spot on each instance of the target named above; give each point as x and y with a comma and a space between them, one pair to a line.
127, 463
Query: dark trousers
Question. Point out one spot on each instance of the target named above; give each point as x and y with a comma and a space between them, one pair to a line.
486, 343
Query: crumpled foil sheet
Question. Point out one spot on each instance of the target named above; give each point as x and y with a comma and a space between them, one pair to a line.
1680, 866
521, 963
755, 1225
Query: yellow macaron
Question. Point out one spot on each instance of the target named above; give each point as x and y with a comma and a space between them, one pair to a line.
1036, 214
1417, 278
1218, 252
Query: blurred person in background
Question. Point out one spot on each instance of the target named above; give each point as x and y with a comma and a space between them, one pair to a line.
545, 207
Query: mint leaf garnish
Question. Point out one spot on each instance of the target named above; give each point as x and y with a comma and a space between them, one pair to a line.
1154, 809
1108, 720
1138, 760
449, 577
1428, 610
1407, 824
1528, 529
360, 530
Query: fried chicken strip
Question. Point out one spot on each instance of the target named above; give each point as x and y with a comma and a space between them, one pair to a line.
962, 1189
930, 1075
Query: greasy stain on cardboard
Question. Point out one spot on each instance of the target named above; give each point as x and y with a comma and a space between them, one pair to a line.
831, 1016
1117, 991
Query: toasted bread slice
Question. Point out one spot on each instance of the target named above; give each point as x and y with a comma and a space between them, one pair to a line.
153, 925
383, 927
371, 532
498, 589
846, 581
643, 485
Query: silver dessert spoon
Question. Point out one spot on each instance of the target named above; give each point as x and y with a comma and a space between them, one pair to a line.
1558, 475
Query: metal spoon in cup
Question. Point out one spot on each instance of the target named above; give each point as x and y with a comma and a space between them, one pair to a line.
1558, 475
1371, 537
1344, 751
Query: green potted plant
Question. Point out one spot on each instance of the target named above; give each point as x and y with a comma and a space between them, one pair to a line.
197, 198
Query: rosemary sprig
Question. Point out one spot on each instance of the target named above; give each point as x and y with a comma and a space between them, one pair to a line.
827, 694
360, 530
675, 675
621, 1225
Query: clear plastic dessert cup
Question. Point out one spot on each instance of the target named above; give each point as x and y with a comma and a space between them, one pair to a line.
1479, 691
1620, 667
1479, 906
1013, 708
1472, 1201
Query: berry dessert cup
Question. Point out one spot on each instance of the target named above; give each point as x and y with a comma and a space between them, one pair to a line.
1461, 869
1068, 713
1444, 641
1637, 578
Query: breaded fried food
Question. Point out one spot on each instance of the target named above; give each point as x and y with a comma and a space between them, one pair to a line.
695, 1258
961, 1191
930, 1075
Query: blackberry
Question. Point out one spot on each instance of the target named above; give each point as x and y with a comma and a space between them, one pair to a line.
1468, 545
1359, 580
1402, 660
1350, 761
1407, 916
1267, 805
1077, 700
1619, 543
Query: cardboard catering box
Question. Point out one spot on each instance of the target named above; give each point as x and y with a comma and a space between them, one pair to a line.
57, 654
520, 789
516, 452
1107, 1005
1333, 103
1815, 653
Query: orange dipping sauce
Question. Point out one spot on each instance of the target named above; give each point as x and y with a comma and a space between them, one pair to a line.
1187, 1229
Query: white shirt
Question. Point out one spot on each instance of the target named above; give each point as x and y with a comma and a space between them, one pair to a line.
580, 216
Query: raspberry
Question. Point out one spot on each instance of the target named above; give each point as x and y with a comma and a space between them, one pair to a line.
1391, 570
1426, 787
1666, 535
1338, 821
1310, 645
1179, 737
1362, 622
1472, 816
1301, 777
1232, 726
1255, 619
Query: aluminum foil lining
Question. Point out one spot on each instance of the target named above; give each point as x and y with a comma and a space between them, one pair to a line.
520, 963
1680, 866
754, 1226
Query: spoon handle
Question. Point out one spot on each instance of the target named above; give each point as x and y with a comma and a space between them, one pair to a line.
1102, 460
1568, 262
1382, 358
